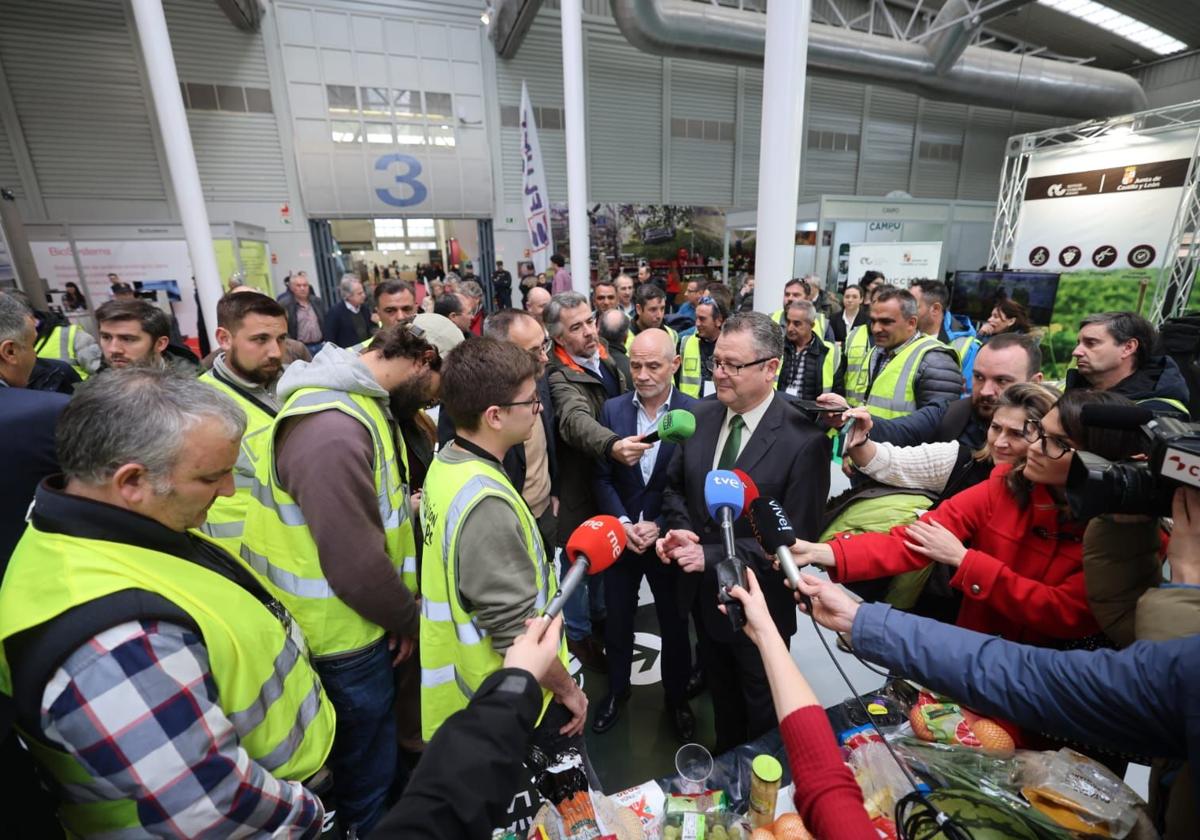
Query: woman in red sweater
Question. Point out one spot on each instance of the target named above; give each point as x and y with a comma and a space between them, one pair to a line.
1022, 577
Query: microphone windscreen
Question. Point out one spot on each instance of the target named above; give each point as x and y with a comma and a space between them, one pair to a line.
723, 489
1109, 416
751, 488
677, 426
771, 524
600, 539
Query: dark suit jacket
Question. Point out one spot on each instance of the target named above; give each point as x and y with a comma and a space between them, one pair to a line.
839, 326
620, 490
27, 422
345, 328
514, 458
788, 458
290, 306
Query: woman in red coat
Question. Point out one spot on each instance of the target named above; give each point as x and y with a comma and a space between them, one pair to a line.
1022, 577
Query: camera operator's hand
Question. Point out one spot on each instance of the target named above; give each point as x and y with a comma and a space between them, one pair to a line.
1183, 552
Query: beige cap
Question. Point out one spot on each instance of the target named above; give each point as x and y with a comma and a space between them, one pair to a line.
439, 331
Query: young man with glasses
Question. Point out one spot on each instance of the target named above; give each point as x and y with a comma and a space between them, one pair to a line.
749, 426
485, 570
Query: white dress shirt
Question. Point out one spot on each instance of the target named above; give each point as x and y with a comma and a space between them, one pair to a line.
646, 423
752, 418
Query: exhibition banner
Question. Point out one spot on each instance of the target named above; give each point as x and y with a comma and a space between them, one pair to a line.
1108, 206
900, 262
536, 197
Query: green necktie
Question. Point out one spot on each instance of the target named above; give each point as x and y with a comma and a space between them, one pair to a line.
733, 443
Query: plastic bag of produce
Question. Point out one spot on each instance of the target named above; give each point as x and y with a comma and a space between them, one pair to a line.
1077, 793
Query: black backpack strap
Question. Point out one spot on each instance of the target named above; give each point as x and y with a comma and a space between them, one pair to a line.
35, 654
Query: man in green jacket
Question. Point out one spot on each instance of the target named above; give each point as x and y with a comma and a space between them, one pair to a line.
582, 376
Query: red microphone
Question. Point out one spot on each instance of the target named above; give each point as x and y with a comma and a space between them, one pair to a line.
751, 489
593, 547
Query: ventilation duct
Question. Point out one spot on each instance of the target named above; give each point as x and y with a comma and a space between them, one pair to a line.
706, 32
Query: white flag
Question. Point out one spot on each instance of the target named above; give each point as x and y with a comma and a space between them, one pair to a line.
537, 200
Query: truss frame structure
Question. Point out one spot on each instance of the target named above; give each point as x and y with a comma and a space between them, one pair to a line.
1181, 257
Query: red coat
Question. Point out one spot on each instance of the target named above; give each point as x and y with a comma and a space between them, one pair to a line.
1022, 577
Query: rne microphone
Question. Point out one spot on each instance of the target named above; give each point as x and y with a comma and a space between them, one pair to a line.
775, 534
724, 495
751, 489
674, 427
593, 547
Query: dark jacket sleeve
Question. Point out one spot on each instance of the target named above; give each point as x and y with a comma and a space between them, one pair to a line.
483, 745
1120, 562
674, 503
1139, 700
939, 379
608, 500
910, 430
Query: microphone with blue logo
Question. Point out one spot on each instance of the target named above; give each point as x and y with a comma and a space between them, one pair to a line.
724, 495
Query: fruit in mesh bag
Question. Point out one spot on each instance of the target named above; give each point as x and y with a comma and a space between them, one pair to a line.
790, 827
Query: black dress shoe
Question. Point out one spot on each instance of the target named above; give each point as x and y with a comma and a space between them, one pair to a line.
695, 684
607, 713
685, 722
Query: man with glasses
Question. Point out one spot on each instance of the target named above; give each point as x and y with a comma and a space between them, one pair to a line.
582, 376
752, 428
485, 570
330, 534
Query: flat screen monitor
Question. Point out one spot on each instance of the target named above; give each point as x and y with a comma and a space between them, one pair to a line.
975, 293
170, 288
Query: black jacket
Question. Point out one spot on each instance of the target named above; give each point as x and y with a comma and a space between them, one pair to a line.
27, 422
839, 326
473, 767
290, 305
1157, 380
811, 381
345, 328
514, 458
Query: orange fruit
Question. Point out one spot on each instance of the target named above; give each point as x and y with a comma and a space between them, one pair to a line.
762, 834
791, 827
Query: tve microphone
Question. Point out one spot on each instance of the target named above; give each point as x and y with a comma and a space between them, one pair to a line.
593, 547
1124, 417
724, 495
775, 533
751, 488
674, 427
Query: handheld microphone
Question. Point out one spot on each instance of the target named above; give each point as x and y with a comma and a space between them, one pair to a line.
775, 533
724, 495
593, 547
674, 427
1123, 417
751, 488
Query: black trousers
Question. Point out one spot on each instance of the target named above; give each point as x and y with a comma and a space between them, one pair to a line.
742, 705
621, 583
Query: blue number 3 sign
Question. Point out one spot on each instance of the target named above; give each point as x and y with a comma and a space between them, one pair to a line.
408, 178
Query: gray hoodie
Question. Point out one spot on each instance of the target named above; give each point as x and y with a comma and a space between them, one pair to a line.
325, 461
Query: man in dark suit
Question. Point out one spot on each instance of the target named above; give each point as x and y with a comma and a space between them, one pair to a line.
751, 428
27, 422
349, 323
532, 466
633, 494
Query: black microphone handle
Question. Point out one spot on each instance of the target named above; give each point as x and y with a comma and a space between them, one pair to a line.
730, 571
651, 436
570, 583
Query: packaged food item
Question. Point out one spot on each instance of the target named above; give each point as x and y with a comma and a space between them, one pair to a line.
949, 723
710, 801
648, 803
1077, 793
695, 826
765, 775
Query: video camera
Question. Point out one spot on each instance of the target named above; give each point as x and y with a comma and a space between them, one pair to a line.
1096, 485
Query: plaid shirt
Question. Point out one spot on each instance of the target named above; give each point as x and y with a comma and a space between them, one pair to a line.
137, 707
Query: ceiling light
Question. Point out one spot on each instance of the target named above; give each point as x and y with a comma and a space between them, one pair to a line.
1110, 20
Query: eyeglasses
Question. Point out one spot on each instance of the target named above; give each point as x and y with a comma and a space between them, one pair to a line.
732, 369
535, 404
1053, 446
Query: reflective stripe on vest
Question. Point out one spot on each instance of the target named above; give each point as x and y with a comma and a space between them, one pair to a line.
266, 686
456, 653
278, 546
691, 377
858, 348
893, 393
227, 516
829, 366
60, 344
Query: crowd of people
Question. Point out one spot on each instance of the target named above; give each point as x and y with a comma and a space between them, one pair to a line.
260, 590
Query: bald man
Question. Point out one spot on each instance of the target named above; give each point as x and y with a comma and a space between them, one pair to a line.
536, 302
633, 494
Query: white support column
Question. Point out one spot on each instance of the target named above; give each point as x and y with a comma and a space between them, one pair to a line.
181, 157
576, 137
784, 69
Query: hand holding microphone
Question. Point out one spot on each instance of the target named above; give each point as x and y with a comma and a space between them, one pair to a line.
675, 426
593, 547
724, 496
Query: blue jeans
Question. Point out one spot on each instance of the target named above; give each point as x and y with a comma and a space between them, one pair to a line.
587, 600
363, 760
